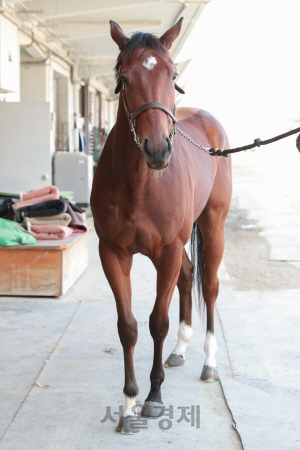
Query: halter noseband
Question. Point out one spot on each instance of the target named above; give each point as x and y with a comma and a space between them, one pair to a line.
133, 116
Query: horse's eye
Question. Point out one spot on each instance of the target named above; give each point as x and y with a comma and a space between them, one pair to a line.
124, 80
175, 75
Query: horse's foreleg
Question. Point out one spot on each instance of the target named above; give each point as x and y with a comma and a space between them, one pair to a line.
185, 332
168, 268
117, 268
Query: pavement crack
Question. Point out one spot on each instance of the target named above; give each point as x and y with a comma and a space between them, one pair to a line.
232, 417
42, 368
232, 376
225, 340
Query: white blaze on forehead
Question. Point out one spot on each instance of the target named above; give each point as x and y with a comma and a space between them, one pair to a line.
150, 62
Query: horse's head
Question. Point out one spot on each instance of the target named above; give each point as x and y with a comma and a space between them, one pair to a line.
146, 74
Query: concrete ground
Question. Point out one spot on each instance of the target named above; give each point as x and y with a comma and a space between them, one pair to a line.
61, 364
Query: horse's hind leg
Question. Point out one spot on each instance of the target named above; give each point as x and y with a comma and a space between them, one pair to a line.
117, 270
212, 224
185, 332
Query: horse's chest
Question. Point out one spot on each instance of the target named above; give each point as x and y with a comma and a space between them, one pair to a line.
142, 232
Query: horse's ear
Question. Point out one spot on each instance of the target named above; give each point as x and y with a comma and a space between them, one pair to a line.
169, 36
118, 35
179, 89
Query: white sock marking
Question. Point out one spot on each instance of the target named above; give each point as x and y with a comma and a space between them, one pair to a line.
129, 404
150, 62
210, 348
185, 333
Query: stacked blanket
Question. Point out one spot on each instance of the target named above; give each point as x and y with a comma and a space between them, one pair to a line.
60, 219
40, 209
45, 214
50, 231
38, 196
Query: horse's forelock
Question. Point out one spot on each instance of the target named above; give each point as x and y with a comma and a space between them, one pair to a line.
138, 40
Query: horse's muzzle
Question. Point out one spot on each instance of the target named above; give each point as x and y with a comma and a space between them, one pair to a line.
157, 159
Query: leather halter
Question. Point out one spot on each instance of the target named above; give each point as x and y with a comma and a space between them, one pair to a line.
133, 116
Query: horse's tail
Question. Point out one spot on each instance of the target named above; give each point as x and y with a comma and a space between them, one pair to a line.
197, 258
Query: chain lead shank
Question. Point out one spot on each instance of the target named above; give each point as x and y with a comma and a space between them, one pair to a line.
189, 139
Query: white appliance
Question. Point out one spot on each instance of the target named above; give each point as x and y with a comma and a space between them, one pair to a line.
25, 146
74, 172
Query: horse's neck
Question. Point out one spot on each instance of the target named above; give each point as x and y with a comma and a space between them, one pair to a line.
128, 164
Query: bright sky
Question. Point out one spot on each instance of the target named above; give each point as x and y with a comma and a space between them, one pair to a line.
246, 66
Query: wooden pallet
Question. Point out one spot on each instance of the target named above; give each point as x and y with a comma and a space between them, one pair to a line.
48, 268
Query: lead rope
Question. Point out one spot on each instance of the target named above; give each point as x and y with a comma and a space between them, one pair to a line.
257, 143
217, 151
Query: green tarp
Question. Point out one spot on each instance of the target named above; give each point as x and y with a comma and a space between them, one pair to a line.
11, 233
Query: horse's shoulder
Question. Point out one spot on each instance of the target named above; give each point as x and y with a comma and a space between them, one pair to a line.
205, 120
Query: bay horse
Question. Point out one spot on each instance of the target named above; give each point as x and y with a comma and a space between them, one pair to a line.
137, 211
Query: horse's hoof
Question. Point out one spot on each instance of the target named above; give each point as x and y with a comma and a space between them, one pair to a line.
210, 374
153, 409
175, 360
128, 425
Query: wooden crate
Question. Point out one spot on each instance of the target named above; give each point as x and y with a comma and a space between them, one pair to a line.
48, 268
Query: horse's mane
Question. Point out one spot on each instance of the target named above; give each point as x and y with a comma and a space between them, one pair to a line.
137, 40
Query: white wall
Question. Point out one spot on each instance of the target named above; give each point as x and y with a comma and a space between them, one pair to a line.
34, 82
65, 114
37, 86
9, 61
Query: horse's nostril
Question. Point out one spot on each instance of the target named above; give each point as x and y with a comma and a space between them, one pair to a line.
145, 148
168, 148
